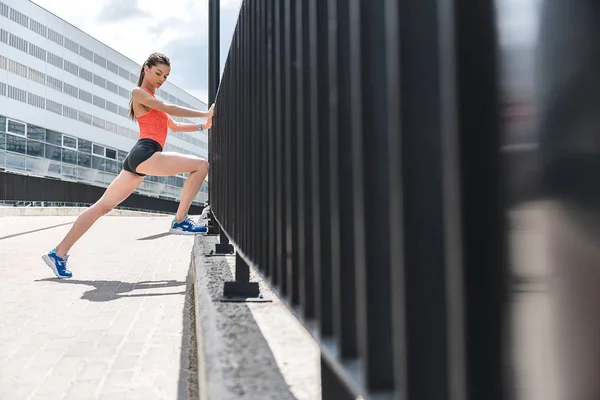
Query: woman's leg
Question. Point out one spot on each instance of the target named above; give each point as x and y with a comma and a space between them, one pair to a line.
118, 191
169, 163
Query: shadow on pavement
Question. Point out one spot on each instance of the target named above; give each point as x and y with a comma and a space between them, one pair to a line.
113, 290
158, 236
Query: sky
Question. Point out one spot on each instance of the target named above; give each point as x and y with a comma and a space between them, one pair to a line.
134, 28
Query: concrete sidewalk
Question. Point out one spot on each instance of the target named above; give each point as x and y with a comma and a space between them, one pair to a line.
119, 329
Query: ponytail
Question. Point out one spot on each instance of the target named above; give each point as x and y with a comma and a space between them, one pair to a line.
140, 80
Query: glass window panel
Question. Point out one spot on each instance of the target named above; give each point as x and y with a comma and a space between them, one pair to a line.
2, 124
110, 153
99, 163
69, 156
112, 166
53, 137
16, 127
35, 148
2, 140
84, 160
84, 146
121, 155
69, 142
35, 132
15, 143
98, 150
53, 153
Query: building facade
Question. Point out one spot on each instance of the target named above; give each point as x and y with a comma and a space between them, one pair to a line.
64, 104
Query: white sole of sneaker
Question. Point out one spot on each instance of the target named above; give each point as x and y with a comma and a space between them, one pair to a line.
183, 233
50, 263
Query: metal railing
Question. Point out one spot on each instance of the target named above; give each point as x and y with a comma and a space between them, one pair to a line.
345, 155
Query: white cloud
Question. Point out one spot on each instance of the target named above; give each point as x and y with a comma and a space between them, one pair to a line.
139, 28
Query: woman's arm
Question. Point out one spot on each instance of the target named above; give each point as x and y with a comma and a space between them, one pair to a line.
143, 97
179, 127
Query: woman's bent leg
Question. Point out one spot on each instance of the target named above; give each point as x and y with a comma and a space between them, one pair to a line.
118, 191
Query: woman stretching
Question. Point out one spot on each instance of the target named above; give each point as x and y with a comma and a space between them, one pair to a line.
146, 158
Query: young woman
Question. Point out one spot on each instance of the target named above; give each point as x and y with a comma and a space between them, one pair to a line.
146, 158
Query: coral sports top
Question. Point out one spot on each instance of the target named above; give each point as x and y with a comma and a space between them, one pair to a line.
154, 125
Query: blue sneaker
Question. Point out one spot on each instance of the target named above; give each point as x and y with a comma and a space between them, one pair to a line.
57, 264
187, 227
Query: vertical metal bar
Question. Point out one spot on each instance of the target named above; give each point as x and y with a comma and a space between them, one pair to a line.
213, 66
347, 186
313, 179
291, 155
280, 126
270, 119
305, 240
331, 386
372, 250
323, 271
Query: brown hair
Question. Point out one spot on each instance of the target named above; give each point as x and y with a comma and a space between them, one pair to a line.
153, 59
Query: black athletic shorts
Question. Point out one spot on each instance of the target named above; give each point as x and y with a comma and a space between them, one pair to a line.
143, 150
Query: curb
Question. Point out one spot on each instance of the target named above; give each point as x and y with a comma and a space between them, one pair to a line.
68, 212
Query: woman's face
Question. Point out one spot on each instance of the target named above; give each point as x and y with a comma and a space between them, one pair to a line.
157, 74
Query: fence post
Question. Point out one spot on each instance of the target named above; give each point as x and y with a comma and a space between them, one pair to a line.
242, 290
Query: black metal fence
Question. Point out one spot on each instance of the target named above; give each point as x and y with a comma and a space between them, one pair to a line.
355, 163
20, 187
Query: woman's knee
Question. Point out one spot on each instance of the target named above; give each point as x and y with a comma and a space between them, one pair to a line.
102, 208
201, 165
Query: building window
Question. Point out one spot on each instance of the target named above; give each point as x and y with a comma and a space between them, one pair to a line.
71, 90
100, 81
52, 152
69, 142
84, 160
84, 146
85, 96
85, 53
85, 74
112, 67
112, 166
17, 68
54, 83
112, 127
99, 123
37, 52
2, 141
123, 112
19, 18
4, 9
71, 45
37, 28
16, 127
70, 112
121, 155
123, 93
124, 73
110, 153
18, 43
98, 150
99, 101
112, 87
3, 36
35, 148
37, 76
71, 68
99, 163
54, 107
2, 124
55, 37
53, 137
112, 107
36, 101
36, 132
85, 118
99, 60
3, 62
16, 144
69, 156
55, 60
